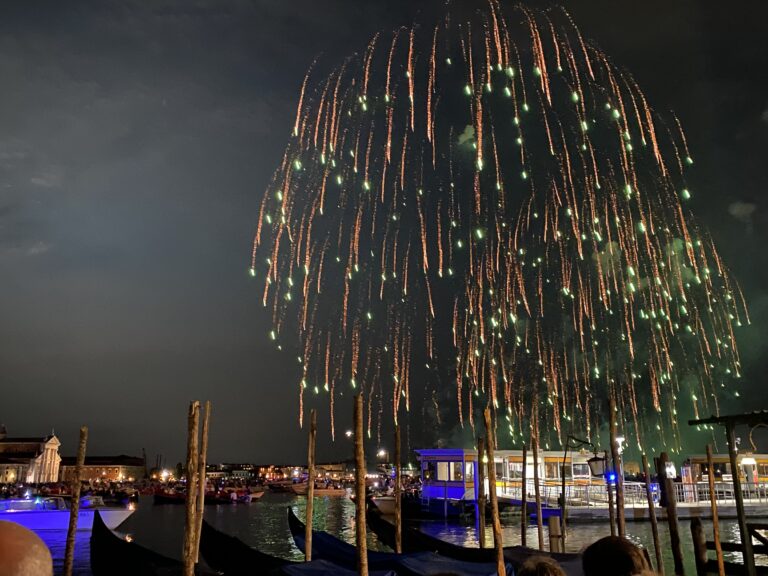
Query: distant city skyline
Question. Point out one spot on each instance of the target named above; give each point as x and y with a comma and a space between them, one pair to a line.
137, 140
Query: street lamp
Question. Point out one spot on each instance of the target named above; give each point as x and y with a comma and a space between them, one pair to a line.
383, 455
348, 433
620, 447
596, 468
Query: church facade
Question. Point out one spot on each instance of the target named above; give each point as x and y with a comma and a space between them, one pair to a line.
29, 459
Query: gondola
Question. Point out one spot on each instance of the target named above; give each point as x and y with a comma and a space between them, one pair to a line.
414, 540
328, 547
234, 557
113, 556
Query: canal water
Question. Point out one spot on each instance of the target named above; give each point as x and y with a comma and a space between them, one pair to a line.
263, 524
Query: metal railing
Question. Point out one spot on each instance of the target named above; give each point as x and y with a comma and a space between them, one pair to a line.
587, 495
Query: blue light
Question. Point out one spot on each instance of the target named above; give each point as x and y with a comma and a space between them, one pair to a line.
612, 477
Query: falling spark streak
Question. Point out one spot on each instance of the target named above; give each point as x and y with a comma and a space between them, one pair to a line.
552, 203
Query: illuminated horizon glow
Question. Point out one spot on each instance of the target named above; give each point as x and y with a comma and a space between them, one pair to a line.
495, 201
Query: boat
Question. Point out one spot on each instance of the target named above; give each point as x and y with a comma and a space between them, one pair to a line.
234, 557
329, 548
169, 497
412, 507
254, 496
303, 488
385, 504
414, 540
280, 485
112, 555
52, 512
211, 498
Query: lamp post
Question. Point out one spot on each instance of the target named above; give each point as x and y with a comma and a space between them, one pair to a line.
596, 468
383, 456
620, 446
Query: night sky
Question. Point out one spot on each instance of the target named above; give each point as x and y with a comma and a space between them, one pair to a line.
137, 138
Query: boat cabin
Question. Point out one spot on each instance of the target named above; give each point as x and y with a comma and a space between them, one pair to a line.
450, 473
753, 468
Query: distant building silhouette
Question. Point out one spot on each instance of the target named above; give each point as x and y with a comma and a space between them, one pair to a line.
105, 469
29, 459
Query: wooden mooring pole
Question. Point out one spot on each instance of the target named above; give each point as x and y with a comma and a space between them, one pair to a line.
746, 537
398, 493
190, 524
490, 440
555, 535
202, 461
360, 528
617, 468
611, 509
537, 488
671, 498
481, 501
652, 517
699, 546
310, 485
524, 499
74, 510
713, 504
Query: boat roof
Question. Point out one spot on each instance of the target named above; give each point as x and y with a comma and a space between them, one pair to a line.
458, 452
463, 452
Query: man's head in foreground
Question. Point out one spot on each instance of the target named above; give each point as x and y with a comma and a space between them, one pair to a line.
22, 553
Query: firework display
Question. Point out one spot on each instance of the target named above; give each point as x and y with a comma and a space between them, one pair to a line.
489, 204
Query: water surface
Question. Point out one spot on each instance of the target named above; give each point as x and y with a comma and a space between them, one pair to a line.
264, 524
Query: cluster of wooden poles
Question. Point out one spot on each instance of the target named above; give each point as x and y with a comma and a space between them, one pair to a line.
197, 448
485, 448
360, 500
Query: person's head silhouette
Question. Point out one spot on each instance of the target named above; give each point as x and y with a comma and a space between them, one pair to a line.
22, 552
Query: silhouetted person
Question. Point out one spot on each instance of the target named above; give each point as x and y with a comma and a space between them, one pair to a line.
613, 556
22, 553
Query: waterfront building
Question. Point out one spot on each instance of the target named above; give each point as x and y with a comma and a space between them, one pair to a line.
29, 459
105, 469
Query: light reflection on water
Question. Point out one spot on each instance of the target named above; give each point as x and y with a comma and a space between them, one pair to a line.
264, 524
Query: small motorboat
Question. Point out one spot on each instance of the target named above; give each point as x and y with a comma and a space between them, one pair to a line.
52, 512
385, 504
211, 498
320, 490
280, 485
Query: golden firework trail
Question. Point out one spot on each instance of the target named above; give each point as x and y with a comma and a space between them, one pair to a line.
492, 201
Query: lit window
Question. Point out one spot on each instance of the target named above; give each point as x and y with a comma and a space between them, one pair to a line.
442, 471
